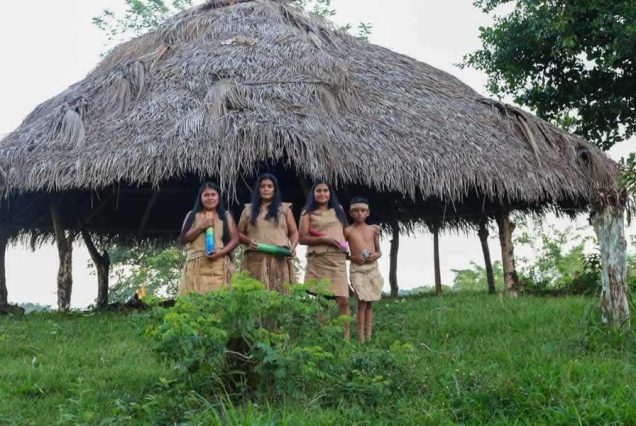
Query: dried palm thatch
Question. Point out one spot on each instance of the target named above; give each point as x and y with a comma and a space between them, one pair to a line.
227, 86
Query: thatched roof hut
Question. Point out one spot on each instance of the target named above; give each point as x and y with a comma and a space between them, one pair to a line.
234, 87
229, 88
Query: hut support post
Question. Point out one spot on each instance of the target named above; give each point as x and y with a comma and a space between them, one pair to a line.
393, 254
610, 230
490, 276
146, 216
511, 279
64, 241
4, 294
438, 274
102, 265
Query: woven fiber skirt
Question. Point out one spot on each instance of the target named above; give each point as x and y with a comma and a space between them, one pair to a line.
331, 266
276, 272
366, 281
202, 275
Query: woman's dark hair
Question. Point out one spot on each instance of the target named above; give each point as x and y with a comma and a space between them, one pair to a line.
198, 206
311, 204
274, 207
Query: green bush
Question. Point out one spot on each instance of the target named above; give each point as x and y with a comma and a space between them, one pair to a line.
250, 344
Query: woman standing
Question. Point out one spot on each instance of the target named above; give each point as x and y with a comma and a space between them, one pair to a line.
204, 272
267, 220
322, 226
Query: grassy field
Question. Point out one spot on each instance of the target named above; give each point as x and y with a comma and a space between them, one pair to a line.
480, 359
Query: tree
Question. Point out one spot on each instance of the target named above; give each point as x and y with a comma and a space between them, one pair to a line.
102, 264
573, 62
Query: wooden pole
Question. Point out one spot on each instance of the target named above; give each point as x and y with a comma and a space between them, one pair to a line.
4, 294
64, 241
146, 215
438, 274
483, 237
511, 279
610, 230
102, 265
393, 255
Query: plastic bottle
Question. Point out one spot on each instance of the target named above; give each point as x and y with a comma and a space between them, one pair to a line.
209, 241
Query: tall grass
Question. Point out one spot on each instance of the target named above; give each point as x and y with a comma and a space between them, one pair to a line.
480, 359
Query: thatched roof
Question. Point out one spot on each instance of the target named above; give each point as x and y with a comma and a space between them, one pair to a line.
227, 87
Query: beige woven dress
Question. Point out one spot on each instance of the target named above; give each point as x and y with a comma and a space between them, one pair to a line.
276, 272
326, 261
201, 274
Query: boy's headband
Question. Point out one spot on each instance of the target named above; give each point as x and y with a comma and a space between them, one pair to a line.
359, 206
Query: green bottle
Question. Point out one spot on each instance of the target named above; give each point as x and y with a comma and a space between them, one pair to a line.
273, 249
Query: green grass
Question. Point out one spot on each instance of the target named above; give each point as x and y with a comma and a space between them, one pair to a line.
481, 359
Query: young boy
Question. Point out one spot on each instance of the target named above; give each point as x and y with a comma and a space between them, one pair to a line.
364, 243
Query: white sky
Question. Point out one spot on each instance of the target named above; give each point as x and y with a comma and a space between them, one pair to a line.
45, 46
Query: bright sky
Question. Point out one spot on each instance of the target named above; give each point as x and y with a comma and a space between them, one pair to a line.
46, 46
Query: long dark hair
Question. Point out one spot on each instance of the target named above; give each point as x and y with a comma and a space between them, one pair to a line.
274, 208
198, 206
311, 204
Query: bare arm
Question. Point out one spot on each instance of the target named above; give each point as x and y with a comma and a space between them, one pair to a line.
188, 235
242, 229
376, 240
234, 239
292, 230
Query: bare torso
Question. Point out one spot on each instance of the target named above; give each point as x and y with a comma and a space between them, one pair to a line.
363, 240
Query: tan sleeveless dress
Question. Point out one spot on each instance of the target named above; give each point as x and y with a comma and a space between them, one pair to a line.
326, 261
276, 272
201, 274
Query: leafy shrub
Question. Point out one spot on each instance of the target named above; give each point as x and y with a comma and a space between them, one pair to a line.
251, 344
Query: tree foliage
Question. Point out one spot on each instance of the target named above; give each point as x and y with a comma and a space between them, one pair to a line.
156, 270
140, 16
553, 261
573, 62
474, 278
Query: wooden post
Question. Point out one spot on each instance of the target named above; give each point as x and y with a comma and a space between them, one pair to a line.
4, 294
511, 279
483, 237
610, 230
393, 255
64, 241
102, 265
146, 215
438, 274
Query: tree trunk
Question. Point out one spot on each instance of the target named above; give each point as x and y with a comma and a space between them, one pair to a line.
438, 274
102, 265
393, 255
490, 276
64, 241
4, 295
610, 230
511, 279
